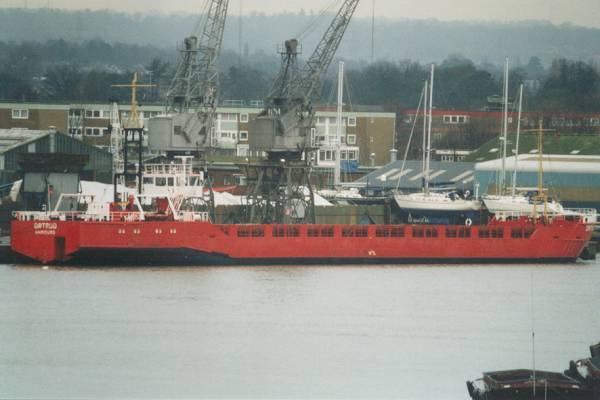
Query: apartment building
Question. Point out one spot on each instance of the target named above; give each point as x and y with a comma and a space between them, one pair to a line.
366, 137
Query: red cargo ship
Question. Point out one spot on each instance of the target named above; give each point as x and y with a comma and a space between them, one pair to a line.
169, 236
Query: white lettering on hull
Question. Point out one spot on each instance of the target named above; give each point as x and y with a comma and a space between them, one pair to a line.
45, 228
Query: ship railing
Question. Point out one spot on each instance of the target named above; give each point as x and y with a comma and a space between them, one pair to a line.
125, 216
590, 215
76, 216
193, 216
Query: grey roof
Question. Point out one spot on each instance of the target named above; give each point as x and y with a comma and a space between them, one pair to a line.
15, 137
456, 174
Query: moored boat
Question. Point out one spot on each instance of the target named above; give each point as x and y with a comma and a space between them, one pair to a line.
147, 228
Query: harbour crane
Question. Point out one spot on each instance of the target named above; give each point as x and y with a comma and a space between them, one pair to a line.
279, 187
192, 96
283, 128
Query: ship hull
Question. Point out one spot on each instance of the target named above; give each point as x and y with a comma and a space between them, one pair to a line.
174, 242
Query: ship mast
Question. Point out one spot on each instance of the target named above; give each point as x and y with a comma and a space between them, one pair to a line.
338, 138
541, 194
514, 180
425, 111
428, 158
502, 180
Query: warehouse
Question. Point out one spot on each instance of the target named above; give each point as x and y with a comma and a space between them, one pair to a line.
14, 142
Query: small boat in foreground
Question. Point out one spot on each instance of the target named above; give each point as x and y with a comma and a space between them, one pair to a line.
580, 382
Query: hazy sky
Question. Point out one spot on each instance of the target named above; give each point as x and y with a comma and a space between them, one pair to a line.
580, 12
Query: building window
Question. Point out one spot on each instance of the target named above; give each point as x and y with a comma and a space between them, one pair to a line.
75, 131
227, 117
351, 139
243, 135
352, 156
75, 112
31, 148
456, 119
326, 155
94, 114
244, 117
240, 180
20, 113
93, 131
351, 121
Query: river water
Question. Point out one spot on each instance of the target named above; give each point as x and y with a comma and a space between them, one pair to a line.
410, 332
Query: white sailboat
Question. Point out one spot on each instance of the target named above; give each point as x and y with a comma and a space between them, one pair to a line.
517, 203
427, 201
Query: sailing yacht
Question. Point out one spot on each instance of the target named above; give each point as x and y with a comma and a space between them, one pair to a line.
518, 203
428, 205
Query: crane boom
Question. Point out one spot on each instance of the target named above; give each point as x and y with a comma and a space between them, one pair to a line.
195, 81
322, 56
285, 124
192, 96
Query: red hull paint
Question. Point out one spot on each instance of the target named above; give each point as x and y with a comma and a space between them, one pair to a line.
60, 241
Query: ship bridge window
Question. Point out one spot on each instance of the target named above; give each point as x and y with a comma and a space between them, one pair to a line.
170, 182
313, 232
161, 181
148, 180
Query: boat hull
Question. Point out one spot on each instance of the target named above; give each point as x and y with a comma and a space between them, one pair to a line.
176, 242
507, 204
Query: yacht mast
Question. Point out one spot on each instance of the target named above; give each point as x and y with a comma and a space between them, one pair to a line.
428, 158
338, 138
514, 180
502, 180
425, 112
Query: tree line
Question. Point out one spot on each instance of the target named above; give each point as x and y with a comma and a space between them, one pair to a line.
59, 71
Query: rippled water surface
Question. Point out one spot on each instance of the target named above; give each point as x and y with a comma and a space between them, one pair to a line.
337, 332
